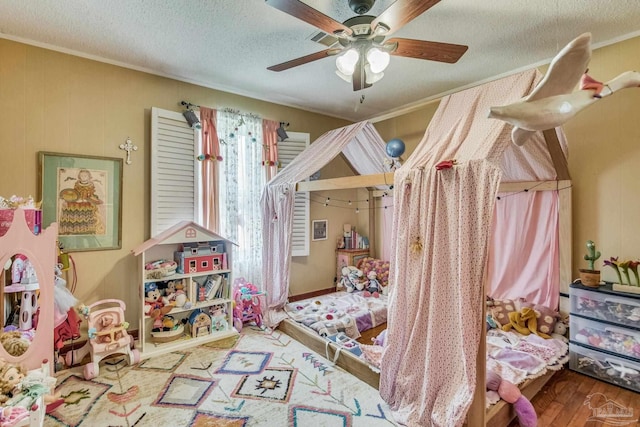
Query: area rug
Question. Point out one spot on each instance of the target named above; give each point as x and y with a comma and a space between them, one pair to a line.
264, 378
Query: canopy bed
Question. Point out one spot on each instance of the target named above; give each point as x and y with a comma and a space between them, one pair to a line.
442, 222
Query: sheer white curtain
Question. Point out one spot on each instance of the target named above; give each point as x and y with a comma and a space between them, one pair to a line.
241, 183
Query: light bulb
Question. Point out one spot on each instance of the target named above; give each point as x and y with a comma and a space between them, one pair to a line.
370, 76
343, 76
378, 59
346, 62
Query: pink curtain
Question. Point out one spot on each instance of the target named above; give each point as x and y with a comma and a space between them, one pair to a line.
441, 229
270, 148
527, 236
211, 150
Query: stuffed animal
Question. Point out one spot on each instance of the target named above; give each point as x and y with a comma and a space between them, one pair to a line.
510, 393
180, 296
105, 325
381, 339
14, 343
352, 279
373, 286
154, 305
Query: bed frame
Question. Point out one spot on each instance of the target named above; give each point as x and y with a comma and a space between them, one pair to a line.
500, 414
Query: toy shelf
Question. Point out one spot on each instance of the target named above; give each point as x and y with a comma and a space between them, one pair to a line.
203, 273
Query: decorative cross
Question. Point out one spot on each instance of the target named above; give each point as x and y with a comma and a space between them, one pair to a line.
128, 147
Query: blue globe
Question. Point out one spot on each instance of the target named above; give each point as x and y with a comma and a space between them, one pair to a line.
395, 148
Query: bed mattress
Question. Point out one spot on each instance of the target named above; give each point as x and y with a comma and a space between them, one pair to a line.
350, 313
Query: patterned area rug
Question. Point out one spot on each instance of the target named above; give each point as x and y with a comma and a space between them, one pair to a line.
264, 378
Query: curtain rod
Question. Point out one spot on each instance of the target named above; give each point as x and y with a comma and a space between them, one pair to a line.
188, 105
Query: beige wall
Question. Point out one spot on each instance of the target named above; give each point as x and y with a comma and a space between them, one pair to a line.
604, 160
60, 103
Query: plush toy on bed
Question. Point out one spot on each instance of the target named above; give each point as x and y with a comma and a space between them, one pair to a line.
373, 286
510, 393
352, 279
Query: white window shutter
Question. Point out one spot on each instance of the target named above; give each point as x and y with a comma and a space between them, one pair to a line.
174, 171
287, 151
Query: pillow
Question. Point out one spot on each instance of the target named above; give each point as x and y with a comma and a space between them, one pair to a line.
501, 309
379, 266
546, 317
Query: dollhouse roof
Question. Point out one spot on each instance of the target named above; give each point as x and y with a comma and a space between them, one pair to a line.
182, 232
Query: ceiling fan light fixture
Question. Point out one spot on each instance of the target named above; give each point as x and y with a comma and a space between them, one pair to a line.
343, 76
377, 59
346, 62
370, 76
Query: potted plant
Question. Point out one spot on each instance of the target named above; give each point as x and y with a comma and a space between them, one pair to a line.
590, 277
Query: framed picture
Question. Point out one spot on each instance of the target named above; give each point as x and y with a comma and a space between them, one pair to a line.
83, 194
319, 229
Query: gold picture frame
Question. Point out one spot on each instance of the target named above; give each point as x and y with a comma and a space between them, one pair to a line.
83, 194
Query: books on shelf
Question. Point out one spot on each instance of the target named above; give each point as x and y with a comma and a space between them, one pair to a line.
353, 240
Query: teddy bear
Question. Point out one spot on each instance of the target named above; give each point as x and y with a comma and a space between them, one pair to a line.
373, 285
180, 296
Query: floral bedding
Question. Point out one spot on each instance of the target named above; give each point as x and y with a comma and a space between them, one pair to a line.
350, 313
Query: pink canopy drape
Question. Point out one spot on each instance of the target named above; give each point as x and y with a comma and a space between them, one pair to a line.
270, 148
210, 149
441, 226
365, 150
525, 231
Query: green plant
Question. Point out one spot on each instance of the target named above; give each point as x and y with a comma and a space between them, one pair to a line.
592, 255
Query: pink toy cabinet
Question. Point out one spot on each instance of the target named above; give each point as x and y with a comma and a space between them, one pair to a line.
41, 251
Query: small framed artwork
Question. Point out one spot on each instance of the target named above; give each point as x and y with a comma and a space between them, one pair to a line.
319, 229
83, 194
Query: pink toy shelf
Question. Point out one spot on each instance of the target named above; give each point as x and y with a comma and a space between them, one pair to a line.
41, 252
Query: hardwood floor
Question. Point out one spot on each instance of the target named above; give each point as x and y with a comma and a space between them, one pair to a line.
563, 402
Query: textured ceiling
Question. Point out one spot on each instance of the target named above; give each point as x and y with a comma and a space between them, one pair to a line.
228, 44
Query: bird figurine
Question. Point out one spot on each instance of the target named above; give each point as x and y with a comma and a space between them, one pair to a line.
553, 101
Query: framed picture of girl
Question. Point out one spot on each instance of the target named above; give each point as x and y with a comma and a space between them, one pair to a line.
83, 194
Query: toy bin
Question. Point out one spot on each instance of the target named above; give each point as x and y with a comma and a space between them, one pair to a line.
605, 367
603, 336
604, 304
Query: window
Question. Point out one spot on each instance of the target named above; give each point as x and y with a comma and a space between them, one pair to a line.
176, 186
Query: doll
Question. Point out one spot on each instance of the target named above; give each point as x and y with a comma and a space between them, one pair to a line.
11, 376
373, 285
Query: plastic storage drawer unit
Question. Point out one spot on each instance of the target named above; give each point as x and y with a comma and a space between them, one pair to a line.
605, 367
603, 304
604, 336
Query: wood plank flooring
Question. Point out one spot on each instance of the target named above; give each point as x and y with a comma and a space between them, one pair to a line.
563, 402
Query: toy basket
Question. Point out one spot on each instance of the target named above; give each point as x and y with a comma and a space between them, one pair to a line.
160, 268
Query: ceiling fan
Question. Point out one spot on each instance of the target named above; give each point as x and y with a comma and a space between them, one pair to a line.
364, 53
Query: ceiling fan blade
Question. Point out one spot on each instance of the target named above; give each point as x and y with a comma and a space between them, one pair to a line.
400, 12
432, 51
302, 60
359, 77
306, 13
